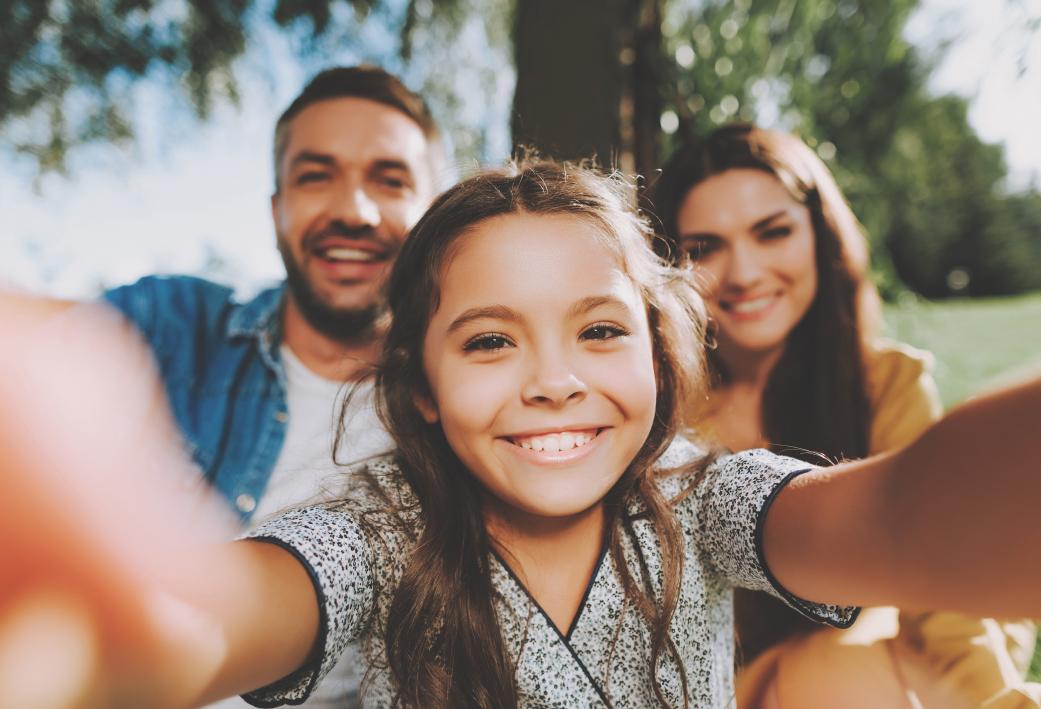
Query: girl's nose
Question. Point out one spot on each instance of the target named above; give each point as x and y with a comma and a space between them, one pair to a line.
553, 382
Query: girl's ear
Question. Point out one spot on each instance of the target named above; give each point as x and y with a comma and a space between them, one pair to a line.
426, 408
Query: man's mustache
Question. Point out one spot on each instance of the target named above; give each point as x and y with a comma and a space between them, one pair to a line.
360, 233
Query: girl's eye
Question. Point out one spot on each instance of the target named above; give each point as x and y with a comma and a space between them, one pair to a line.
490, 342
777, 232
603, 331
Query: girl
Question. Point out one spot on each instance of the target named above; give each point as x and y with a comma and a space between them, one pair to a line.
799, 366
541, 539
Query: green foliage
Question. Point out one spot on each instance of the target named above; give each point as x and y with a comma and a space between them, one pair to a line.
67, 68
841, 75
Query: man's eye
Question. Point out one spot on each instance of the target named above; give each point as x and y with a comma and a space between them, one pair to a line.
490, 342
394, 182
305, 178
603, 331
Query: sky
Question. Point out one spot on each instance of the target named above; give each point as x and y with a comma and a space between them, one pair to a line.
192, 197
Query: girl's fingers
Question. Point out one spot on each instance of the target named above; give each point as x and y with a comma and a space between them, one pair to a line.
48, 652
100, 510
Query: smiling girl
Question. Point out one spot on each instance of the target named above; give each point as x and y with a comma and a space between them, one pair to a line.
542, 538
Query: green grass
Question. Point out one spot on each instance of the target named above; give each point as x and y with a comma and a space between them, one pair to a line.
978, 344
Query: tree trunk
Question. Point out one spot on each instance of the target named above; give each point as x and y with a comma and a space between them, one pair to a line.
569, 77
646, 95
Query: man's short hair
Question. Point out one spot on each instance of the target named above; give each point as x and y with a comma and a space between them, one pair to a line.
367, 82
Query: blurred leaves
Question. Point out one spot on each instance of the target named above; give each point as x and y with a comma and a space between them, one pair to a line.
840, 74
67, 68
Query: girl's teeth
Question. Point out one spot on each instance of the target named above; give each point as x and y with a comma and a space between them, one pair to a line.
555, 443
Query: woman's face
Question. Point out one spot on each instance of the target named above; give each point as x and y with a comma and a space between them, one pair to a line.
540, 364
754, 246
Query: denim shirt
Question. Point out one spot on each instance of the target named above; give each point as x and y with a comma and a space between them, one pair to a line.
219, 360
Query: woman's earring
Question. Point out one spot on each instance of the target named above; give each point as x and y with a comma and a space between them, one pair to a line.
711, 331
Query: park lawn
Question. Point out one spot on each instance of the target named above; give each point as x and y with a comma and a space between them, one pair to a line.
978, 344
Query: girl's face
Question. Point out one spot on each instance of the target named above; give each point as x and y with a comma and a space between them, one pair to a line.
540, 363
755, 246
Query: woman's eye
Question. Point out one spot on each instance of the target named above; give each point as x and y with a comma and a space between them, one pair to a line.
777, 232
487, 343
603, 331
701, 248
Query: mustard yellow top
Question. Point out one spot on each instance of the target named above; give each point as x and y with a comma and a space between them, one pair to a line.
894, 658
903, 395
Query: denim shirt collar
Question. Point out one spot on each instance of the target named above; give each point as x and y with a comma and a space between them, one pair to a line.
260, 318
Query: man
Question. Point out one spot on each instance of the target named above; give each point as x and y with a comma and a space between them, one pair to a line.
256, 388
253, 386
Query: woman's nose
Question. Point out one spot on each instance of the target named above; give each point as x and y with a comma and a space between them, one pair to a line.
745, 267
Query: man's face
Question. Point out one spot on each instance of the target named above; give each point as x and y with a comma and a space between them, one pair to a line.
354, 177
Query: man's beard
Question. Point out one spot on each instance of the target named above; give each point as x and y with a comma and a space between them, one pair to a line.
340, 324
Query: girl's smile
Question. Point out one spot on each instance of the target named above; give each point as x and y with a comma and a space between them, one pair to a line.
540, 363
556, 448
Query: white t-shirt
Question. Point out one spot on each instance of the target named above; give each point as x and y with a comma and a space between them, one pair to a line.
305, 470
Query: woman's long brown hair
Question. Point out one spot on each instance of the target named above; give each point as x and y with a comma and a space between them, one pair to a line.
816, 403
444, 645
816, 399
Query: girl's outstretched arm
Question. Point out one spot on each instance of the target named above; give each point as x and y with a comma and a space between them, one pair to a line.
118, 585
950, 522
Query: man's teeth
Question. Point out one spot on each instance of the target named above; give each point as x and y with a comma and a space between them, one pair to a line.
752, 306
555, 442
345, 254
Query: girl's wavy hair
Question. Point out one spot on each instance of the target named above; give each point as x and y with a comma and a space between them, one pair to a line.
444, 644
816, 399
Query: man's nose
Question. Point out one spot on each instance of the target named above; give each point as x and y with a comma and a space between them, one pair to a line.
354, 206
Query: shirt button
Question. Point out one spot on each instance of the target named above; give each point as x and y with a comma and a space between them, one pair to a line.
281, 416
246, 502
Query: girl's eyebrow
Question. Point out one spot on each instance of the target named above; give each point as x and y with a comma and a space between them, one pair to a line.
584, 305
501, 312
490, 312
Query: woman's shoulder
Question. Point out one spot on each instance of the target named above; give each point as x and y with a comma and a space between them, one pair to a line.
903, 395
888, 360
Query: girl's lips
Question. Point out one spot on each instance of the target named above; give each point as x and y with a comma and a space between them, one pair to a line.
559, 457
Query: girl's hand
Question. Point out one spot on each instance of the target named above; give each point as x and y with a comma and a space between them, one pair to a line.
103, 522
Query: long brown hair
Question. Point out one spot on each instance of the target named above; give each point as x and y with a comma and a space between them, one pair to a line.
816, 398
444, 645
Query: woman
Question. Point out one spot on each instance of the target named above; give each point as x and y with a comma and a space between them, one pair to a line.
798, 365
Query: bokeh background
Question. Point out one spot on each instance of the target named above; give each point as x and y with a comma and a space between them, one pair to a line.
135, 135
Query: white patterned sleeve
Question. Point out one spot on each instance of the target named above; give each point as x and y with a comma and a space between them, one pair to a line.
336, 554
732, 501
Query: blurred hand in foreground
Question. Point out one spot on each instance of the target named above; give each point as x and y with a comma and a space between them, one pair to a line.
101, 514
